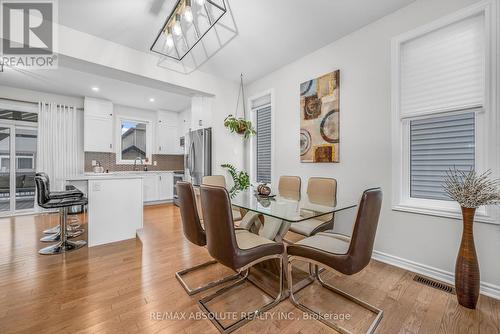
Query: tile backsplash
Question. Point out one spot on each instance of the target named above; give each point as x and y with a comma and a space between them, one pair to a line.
108, 161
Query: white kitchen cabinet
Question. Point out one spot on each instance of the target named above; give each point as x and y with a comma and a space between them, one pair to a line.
150, 185
165, 186
168, 139
98, 126
201, 112
168, 134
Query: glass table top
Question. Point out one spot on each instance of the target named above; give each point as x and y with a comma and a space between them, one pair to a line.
289, 209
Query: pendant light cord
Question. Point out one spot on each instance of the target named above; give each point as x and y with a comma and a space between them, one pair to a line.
241, 93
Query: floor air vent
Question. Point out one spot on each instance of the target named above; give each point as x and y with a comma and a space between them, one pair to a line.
434, 284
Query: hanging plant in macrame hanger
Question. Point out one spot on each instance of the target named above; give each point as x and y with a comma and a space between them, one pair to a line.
240, 125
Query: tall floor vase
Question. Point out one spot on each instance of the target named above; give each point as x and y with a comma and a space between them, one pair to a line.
467, 267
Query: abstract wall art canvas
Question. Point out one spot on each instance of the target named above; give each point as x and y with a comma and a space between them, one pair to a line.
319, 119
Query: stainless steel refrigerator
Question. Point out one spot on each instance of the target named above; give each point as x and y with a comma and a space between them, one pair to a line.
198, 155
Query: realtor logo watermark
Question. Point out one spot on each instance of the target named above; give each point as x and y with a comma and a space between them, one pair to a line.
28, 31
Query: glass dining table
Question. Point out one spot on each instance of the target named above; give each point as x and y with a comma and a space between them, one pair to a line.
289, 209
285, 212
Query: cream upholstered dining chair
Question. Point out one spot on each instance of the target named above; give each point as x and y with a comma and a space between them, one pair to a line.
275, 229
220, 181
270, 227
289, 187
322, 191
214, 180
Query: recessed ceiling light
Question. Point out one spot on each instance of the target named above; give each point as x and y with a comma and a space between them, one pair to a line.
95, 89
151, 99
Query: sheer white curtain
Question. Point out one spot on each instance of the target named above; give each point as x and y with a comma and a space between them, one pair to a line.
60, 142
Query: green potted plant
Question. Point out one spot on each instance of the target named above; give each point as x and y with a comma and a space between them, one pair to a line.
471, 191
240, 126
241, 179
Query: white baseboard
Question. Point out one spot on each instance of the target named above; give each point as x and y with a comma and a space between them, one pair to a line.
487, 289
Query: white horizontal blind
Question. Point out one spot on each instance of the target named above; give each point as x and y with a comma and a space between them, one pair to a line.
437, 144
445, 69
263, 152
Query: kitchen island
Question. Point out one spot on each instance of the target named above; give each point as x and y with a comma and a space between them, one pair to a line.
115, 205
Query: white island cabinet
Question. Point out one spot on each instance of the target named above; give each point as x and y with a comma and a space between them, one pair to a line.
115, 208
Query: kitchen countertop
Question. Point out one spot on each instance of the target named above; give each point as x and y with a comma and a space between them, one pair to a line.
103, 176
116, 175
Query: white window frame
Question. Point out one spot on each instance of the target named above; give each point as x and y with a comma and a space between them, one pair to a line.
149, 140
253, 140
32, 158
487, 121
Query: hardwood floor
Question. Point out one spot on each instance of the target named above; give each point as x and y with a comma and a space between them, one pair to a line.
129, 287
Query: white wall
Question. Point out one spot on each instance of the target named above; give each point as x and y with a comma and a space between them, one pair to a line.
364, 58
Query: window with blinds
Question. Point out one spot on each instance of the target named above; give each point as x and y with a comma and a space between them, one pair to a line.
441, 93
437, 144
263, 143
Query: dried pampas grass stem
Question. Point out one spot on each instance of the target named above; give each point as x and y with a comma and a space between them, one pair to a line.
472, 190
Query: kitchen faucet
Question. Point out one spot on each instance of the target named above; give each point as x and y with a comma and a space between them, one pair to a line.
135, 163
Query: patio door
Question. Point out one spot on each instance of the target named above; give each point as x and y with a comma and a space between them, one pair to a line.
18, 150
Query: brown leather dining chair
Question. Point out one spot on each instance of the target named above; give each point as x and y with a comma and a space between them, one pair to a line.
238, 250
194, 232
220, 181
348, 255
323, 191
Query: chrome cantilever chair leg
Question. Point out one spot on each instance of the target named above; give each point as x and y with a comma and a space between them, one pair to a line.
378, 312
207, 286
249, 315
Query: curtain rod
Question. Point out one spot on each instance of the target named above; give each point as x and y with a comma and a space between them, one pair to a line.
36, 103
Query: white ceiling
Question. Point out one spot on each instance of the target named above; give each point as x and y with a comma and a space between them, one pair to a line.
271, 33
71, 82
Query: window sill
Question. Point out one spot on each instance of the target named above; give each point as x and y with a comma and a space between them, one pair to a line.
444, 213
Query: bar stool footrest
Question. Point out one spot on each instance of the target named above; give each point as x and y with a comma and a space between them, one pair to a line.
62, 247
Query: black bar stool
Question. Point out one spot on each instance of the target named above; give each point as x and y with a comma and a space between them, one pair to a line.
63, 203
73, 228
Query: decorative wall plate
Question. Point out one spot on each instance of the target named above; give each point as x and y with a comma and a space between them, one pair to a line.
305, 141
329, 127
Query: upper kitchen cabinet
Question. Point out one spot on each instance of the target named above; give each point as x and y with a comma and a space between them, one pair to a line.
168, 133
98, 125
201, 112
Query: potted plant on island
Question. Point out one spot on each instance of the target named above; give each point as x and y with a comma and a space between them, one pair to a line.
471, 191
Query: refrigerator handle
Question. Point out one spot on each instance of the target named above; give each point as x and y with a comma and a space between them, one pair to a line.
191, 159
